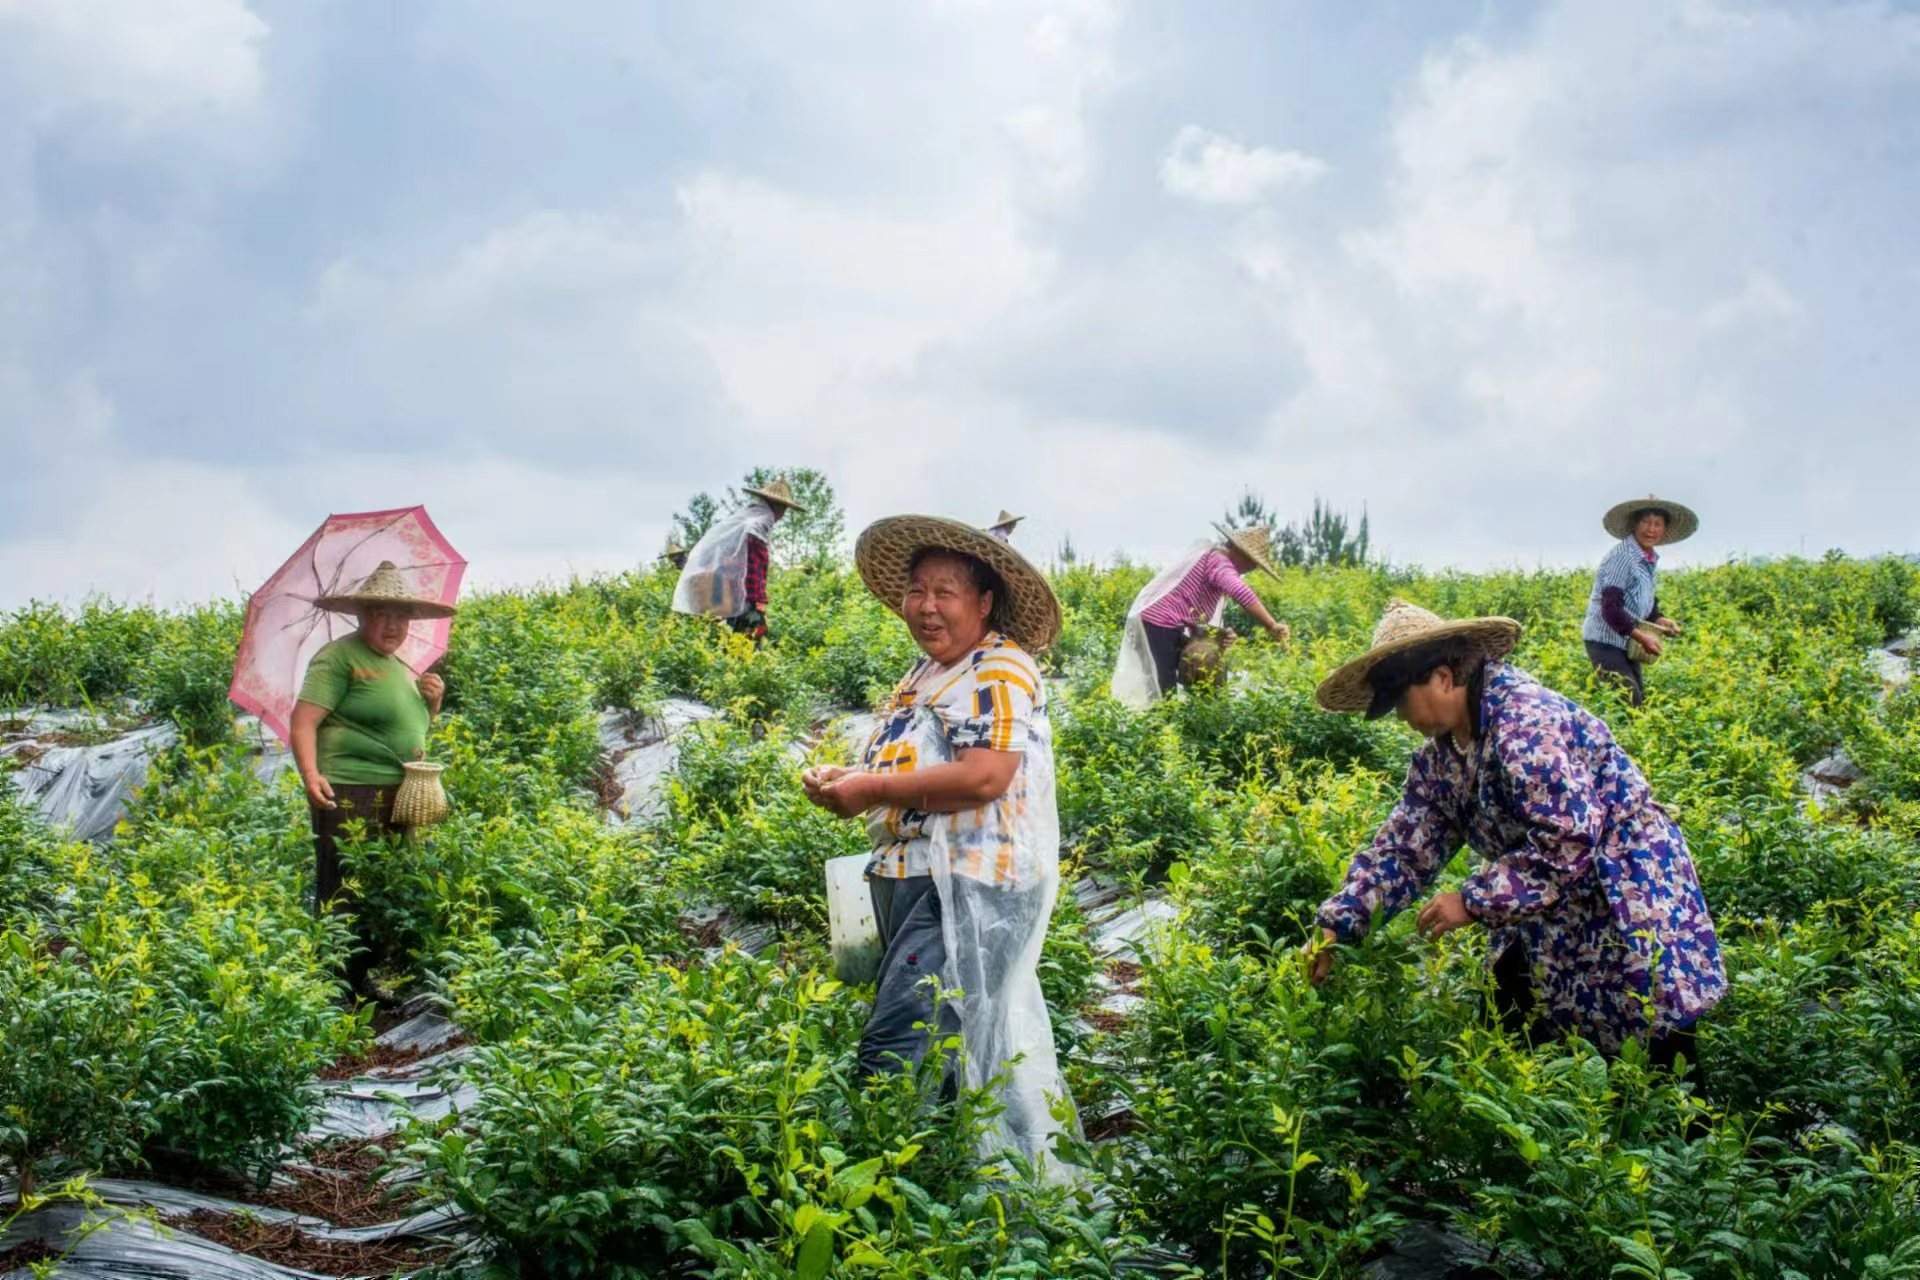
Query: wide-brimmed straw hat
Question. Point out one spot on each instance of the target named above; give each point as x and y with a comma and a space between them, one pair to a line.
673, 549
1403, 628
887, 547
778, 492
1257, 543
1621, 517
388, 586
1006, 521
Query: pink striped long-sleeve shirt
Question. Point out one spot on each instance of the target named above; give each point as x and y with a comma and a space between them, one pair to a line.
1193, 600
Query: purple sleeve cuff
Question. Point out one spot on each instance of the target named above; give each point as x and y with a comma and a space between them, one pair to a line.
1613, 609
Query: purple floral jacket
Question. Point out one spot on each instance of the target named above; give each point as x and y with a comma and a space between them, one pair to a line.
1580, 865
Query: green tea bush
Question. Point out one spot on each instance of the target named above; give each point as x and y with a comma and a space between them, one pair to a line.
651, 1104
519, 684
185, 676
76, 1038
1132, 800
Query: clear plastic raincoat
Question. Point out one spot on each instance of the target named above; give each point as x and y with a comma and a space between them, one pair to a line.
993, 925
1135, 682
714, 583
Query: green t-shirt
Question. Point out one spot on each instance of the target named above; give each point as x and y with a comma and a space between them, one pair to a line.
377, 716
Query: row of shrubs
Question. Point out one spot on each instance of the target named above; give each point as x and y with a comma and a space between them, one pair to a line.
647, 1103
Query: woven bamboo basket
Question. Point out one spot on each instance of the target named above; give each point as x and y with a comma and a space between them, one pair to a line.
421, 800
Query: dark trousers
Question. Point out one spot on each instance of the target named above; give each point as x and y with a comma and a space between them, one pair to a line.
1165, 643
895, 1038
373, 807
1611, 661
909, 913
1514, 1001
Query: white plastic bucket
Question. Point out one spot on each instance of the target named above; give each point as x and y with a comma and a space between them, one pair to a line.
853, 932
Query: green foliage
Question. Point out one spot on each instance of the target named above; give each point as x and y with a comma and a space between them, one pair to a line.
527, 693
654, 1102
185, 676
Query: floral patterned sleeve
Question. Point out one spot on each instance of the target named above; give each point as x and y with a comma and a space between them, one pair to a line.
1550, 792
1407, 852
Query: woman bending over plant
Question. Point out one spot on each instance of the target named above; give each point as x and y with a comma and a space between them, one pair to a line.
956, 785
1599, 925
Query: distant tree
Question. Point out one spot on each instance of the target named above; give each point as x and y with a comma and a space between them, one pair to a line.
1067, 554
1252, 512
810, 535
1327, 537
1330, 539
702, 510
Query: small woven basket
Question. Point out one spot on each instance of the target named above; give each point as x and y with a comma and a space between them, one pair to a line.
1639, 653
421, 800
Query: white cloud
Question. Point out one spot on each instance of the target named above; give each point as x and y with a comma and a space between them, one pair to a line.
143, 59
1215, 169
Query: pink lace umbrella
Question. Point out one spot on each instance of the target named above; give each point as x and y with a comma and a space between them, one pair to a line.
285, 628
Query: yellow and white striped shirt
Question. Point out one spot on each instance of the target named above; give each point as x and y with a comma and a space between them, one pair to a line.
992, 698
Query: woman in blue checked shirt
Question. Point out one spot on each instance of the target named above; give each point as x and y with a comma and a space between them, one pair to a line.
1624, 625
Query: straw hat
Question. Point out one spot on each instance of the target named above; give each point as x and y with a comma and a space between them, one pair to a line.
1403, 628
385, 585
673, 549
778, 492
886, 547
1006, 521
1257, 543
1620, 518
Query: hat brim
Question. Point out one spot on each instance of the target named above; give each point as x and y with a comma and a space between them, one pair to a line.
1350, 689
1682, 523
777, 500
416, 609
887, 547
1259, 560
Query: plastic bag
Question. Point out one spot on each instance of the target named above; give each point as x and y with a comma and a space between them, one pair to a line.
1136, 682
714, 583
994, 933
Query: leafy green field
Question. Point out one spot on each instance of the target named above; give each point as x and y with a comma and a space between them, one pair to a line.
651, 1106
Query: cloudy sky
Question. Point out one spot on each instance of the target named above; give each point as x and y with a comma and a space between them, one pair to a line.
1485, 268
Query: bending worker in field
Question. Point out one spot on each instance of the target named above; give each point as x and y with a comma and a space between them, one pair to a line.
956, 785
361, 714
1186, 599
1598, 924
726, 572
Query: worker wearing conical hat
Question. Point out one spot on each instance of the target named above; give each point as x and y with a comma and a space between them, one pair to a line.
1002, 528
1182, 603
726, 572
675, 554
1596, 923
1624, 627
362, 714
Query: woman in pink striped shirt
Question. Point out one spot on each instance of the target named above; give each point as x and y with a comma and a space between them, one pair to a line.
1166, 613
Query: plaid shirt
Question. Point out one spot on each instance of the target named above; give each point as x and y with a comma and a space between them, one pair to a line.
756, 573
992, 698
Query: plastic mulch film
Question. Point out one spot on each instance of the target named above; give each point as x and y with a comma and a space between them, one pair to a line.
84, 790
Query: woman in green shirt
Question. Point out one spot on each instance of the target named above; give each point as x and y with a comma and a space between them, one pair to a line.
361, 713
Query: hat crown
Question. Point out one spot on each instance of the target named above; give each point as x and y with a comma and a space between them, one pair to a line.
386, 583
1404, 620
1006, 517
777, 490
